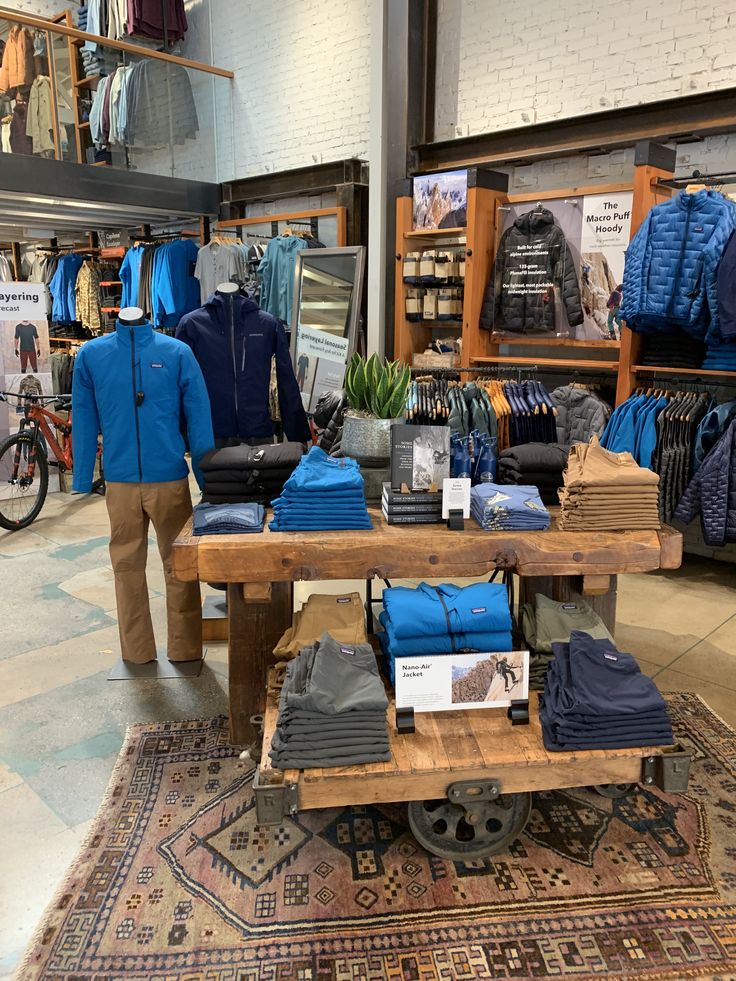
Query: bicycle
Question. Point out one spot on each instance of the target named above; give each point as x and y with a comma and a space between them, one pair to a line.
24, 462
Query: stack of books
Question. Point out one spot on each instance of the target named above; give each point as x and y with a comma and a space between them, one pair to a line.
412, 507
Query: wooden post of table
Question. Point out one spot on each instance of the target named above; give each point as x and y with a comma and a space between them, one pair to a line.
256, 624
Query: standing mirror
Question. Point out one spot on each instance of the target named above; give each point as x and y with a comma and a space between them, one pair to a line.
325, 319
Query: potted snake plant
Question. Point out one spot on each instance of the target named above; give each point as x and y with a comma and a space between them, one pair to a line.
376, 392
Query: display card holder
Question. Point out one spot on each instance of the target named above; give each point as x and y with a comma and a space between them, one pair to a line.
405, 720
456, 520
518, 712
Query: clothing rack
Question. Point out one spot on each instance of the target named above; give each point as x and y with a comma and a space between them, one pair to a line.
698, 177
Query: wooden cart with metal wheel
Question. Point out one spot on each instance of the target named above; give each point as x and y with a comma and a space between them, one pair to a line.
467, 776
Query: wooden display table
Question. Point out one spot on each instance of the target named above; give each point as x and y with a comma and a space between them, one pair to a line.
260, 571
468, 775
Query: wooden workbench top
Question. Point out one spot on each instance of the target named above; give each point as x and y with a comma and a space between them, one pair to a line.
414, 551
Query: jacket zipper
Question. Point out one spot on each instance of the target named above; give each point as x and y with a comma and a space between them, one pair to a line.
135, 403
678, 277
242, 366
235, 364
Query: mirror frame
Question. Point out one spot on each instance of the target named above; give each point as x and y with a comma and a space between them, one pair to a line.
359, 251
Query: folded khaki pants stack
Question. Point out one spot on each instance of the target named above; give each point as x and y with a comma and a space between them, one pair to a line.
342, 617
606, 491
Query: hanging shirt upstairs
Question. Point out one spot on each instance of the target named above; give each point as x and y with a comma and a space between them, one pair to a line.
276, 270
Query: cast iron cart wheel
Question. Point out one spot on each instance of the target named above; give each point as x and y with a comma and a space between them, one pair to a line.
614, 790
458, 832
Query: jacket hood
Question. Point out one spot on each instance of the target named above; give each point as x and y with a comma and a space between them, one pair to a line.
534, 221
570, 396
240, 304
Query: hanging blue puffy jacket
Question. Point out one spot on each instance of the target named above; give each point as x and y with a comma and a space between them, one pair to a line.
142, 439
670, 276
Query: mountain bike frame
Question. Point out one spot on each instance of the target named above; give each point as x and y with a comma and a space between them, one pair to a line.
36, 418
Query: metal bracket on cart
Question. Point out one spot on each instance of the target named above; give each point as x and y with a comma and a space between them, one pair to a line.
274, 801
669, 772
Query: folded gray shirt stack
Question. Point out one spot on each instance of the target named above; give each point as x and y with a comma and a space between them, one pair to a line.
332, 710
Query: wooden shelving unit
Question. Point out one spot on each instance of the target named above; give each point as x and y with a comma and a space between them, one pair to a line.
654, 163
485, 189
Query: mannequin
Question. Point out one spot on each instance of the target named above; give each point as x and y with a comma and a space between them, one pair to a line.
235, 343
134, 386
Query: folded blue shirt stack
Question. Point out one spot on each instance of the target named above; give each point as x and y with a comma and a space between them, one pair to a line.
228, 519
516, 507
324, 493
444, 619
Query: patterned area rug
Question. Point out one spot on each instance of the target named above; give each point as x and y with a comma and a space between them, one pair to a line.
178, 882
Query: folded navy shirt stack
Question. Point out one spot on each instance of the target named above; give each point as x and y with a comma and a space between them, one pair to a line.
228, 519
324, 493
444, 619
596, 697
236, 474
332, 709
516, 507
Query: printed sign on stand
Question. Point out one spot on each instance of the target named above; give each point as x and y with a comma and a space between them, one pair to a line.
321, 359
447, 682
25, 355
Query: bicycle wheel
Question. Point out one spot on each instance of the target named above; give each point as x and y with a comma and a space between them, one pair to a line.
22, 489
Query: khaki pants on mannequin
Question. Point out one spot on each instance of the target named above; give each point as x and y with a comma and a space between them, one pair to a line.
131, 508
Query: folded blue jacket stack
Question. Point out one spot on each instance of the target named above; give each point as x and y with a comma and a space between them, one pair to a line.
596, 697
444, 619
228, 519
324, 493
721, 356
505, 507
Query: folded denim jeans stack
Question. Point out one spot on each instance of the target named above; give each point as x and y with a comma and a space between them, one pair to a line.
596, 697
540, 465
443, 619
332, 708
228, 519
324, 493
546, 622
607, 491
236, 474
515, 507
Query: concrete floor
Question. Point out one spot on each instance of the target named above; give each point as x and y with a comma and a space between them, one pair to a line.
62, 722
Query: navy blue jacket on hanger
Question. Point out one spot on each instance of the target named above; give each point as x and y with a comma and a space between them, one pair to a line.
234, 340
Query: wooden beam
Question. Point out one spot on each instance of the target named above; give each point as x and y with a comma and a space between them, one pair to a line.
685, 118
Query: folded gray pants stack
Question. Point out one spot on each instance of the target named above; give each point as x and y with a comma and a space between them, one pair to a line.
332, 709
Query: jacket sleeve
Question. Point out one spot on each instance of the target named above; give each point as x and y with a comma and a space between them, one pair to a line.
633, 272
714, 256
85, 425
725, 292
491, 308
293, 416
197, 413
567, 278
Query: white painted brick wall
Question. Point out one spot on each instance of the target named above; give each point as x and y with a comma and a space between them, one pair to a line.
42, 8
301, 88
501, 67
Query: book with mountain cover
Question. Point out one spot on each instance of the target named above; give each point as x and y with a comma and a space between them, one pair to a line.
420, 457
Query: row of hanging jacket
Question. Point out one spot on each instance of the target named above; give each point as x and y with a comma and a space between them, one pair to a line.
670, 433
118, 19
146, 105
276, 271
6, 270
672, 273
62, 372
159, 278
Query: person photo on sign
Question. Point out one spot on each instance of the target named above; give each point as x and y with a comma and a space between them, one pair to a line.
27, 346
302, 369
